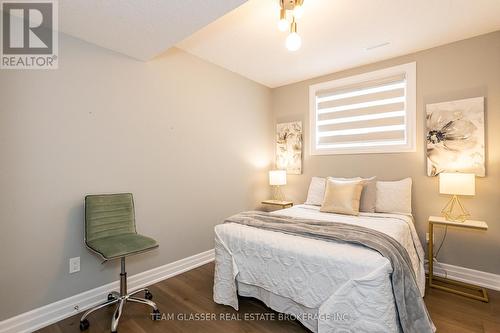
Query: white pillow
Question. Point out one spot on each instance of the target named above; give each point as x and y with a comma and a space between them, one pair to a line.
316, 192
394, 197
369, 195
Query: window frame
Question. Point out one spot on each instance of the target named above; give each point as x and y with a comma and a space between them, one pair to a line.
410, 71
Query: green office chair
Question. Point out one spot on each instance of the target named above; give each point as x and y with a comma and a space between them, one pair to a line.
110, 232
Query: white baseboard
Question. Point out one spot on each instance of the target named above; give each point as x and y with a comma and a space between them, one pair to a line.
467, 275
54, 312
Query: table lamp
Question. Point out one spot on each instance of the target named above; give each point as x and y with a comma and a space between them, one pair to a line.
456, 184
276, 179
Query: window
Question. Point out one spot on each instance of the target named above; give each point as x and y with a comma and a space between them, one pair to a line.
368, 113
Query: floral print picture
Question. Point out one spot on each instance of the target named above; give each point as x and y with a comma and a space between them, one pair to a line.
289, 147
455, 137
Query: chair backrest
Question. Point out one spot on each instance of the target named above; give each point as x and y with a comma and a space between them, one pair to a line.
108, 215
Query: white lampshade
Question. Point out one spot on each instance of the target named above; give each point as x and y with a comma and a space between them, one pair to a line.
277, 177
457, 183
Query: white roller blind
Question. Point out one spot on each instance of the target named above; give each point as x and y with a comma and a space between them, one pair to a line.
373, 112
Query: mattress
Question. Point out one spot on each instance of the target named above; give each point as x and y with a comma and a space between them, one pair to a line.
329, 286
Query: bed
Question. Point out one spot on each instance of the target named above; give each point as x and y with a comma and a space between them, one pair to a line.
328, 286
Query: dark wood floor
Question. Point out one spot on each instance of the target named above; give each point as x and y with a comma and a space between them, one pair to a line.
191, 293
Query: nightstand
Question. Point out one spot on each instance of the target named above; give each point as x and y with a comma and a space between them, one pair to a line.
445, 283
278, 203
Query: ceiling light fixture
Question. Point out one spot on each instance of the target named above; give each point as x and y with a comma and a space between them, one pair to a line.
298, 11
293, 41
290, 12
283, 22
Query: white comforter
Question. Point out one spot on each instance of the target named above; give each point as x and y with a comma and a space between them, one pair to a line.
346, 287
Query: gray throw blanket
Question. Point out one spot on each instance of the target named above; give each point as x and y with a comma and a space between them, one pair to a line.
413, 315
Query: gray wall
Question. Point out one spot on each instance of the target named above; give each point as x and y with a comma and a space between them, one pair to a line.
464, 69
193, 143
190, 140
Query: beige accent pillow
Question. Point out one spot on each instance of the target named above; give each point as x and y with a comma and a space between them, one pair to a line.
317, 187
342, 197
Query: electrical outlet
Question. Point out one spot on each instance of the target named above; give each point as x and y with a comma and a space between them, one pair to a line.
427, 239
74, 265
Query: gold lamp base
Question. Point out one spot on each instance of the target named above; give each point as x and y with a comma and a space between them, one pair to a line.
453, 205
278, 194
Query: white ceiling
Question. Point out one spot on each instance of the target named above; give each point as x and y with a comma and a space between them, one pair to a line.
335, 35
141, 29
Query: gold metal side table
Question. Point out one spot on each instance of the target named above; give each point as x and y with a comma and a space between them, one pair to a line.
280, 203
448, 284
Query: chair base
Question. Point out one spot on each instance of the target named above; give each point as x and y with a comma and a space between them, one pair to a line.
120, 299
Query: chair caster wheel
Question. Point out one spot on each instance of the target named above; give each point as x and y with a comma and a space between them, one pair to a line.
148, 295
156, 315
84, 324
111, 297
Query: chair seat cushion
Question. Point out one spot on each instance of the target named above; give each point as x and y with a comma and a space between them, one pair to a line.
121, 245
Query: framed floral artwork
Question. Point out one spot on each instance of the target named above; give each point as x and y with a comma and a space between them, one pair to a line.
289, 147
455, 137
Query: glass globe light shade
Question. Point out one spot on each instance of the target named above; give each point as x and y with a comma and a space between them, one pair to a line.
283, 25
298, 11
293, 42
